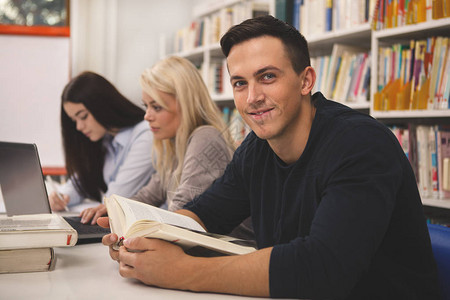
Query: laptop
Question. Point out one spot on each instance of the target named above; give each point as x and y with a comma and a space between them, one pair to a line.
24, 192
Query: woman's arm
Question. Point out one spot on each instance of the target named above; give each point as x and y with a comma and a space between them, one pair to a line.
153, 193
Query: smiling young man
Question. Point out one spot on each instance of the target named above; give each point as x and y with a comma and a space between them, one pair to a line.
333, 199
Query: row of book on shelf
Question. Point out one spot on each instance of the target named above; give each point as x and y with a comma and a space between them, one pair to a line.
428, 150
343, 76
414, 76
208, 30
315, 17
395, 13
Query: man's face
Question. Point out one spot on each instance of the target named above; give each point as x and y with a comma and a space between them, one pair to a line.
267, 91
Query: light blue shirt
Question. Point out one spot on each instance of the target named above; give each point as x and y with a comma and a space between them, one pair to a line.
128, 163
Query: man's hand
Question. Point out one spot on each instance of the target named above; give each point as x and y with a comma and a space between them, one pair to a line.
163, 264
154, 262
92, 214
109, 239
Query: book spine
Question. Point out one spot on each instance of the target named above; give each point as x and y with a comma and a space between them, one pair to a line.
433, 162
296, 14
329, 15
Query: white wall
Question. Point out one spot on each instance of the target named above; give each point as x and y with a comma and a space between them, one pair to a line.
116, 38
120, 38
33, 71
139, 32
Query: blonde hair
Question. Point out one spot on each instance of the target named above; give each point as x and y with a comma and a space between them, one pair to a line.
179, 77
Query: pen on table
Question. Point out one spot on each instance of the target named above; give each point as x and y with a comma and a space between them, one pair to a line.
52, 183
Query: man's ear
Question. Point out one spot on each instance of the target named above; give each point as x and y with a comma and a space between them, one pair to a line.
308, 80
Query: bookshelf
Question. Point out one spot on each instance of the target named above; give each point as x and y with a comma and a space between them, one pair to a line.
321, 43
436, 203
355, 36
431, 116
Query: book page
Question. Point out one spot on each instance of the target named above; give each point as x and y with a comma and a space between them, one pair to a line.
135, 211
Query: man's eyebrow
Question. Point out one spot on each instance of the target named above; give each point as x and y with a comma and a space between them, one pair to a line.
265, 69
258, 72
236, 77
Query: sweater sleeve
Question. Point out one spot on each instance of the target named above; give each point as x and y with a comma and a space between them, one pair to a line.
225, 204
206, 157
153, 193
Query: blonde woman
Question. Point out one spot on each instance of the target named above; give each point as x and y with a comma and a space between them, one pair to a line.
191, 145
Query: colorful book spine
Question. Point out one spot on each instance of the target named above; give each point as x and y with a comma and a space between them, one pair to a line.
329, 15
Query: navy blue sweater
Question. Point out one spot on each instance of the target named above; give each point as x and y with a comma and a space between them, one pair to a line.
345, 220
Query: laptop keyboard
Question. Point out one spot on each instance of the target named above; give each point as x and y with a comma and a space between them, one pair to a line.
87, 231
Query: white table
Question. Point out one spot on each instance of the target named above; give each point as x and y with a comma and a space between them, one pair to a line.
87, 272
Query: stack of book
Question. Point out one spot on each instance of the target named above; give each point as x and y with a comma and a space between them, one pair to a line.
27, 242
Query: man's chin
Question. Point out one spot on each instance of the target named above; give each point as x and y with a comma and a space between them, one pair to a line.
262, 134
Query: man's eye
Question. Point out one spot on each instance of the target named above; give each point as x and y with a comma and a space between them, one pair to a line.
268, 76
239, 83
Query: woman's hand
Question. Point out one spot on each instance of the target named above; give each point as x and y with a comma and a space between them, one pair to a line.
56, 203
92, 214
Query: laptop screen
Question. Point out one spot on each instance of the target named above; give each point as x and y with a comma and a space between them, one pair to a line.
21, 180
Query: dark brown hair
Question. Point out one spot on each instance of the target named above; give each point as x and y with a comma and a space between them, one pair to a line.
84, 158
294, 43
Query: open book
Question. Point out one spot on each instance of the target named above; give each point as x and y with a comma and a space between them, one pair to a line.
129, 218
